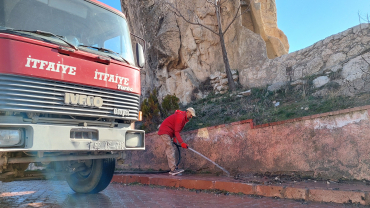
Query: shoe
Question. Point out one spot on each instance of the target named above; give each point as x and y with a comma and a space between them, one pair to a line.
176, 171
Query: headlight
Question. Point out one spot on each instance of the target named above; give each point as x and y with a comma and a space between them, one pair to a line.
11, 137
134, 139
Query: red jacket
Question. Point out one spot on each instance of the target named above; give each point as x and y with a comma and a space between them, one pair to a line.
173, 124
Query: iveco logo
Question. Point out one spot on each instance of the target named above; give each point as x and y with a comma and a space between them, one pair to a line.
84, 100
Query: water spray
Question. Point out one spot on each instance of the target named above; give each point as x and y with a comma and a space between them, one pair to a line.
178, 162
228, 174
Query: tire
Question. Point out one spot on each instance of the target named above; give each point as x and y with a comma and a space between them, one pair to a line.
94, 179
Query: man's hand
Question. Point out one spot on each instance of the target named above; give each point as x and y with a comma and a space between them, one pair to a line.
184, 145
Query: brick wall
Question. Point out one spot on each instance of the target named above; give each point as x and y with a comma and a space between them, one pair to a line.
331, 145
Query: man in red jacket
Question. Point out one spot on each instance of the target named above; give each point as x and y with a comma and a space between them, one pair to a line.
169, 129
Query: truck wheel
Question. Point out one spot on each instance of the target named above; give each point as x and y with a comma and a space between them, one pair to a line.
94, 178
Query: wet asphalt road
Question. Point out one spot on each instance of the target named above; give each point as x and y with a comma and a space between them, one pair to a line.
43, 193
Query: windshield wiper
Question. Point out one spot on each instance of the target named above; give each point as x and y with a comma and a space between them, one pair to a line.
106, 50
39, 32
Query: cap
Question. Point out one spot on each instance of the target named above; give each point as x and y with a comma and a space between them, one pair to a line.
192, 111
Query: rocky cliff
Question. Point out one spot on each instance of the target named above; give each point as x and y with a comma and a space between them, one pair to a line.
186, 60
261, 18
341, 60
181, 57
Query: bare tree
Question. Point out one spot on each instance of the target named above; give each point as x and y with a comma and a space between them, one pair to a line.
351, 85
366, 19
218, 6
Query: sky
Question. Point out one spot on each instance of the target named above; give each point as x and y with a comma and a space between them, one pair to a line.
306, 22
113, 3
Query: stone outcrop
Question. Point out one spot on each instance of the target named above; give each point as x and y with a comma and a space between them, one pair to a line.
180, 56
320, 81
262, 19
342, 58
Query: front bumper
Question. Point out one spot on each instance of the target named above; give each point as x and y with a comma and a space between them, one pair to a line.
55, 138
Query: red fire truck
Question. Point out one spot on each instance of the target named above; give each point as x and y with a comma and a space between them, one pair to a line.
69, 90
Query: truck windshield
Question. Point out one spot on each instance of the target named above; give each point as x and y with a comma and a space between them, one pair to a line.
79, 22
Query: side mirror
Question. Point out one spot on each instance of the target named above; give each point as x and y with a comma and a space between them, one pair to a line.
140, 55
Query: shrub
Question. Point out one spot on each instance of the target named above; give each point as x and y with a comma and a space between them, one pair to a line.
150, 109
169, 105
153, 111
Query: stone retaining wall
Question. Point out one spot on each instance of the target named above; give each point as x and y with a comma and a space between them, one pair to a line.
331, 146
346, 54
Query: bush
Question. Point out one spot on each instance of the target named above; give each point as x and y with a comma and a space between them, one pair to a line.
150, 109
154, 113
169, 105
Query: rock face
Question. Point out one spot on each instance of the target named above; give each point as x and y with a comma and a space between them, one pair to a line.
343, 58
262, 19
181, 56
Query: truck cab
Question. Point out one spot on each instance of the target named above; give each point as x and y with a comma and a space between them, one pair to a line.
69, 90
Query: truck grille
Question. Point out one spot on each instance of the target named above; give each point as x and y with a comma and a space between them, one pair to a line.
28, 94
